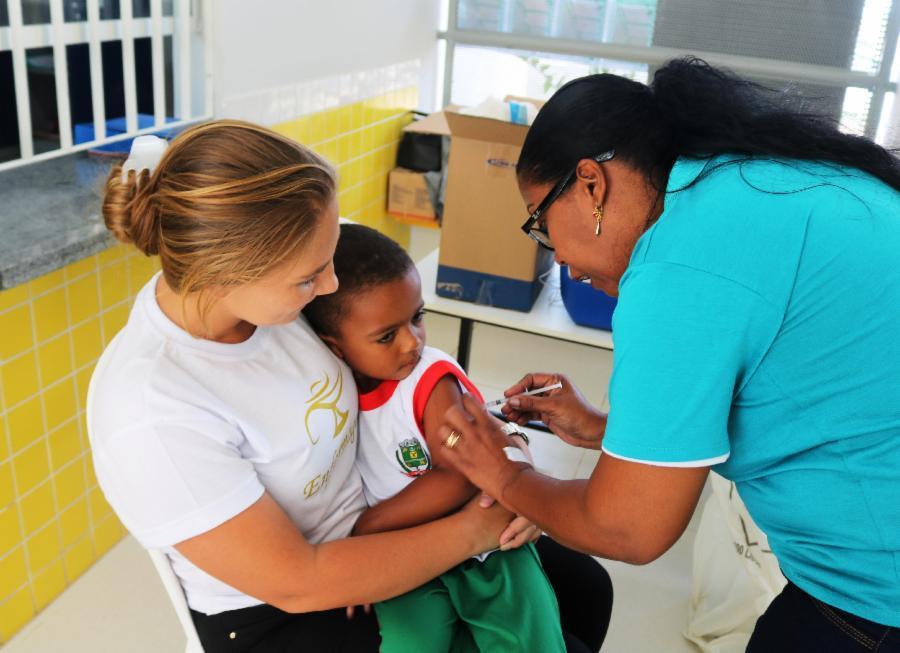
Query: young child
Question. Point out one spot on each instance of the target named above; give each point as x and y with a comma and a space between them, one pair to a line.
501, 602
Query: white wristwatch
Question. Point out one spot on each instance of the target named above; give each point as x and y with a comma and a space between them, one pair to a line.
514, 453
511, 428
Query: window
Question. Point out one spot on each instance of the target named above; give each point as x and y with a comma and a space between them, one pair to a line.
79, 73
837, 53
525, 73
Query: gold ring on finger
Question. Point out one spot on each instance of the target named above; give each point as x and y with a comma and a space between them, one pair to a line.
452, 439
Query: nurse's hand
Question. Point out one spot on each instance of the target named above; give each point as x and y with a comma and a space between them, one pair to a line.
473, 443
520, 531
564, 410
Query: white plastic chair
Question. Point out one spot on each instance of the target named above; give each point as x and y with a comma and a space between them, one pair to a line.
169, 580
176, 596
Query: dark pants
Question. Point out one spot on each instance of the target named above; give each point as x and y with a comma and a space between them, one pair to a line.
583, 590
798, 623
264, 629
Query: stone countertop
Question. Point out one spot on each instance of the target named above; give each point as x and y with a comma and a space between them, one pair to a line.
50, 215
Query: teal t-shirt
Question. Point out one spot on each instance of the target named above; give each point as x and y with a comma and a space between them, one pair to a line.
758, 331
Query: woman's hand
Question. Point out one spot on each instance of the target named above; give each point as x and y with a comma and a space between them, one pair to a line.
491, 523
519, 532
473, 443
564, 410
477, 452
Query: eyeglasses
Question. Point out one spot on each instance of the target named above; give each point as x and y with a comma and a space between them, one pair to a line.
532, 226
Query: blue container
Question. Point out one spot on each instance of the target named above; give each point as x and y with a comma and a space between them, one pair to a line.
84, 132
586, 306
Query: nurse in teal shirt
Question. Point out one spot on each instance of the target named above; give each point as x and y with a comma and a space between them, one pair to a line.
755, 252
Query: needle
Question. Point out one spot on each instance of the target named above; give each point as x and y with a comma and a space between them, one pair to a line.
536, 391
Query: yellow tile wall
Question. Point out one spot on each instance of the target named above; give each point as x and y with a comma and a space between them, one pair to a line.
54, 521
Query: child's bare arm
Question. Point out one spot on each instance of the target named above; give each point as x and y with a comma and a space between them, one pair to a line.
435, 494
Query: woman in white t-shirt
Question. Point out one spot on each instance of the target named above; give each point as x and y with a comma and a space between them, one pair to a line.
223, 431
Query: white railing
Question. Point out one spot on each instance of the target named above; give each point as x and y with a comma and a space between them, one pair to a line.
191, 19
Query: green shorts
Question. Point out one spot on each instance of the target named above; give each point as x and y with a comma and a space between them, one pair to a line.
504, 604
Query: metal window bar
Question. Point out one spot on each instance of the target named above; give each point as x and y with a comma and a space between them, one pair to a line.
205, 10
449, 36
879, 83
16, 42
61, 73
181, 46
159, 71
126, 10
18, 38
884, 85
98, 98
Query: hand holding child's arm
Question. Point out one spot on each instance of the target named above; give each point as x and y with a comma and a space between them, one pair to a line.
439, 492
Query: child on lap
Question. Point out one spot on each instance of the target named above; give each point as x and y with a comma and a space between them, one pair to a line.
497, 602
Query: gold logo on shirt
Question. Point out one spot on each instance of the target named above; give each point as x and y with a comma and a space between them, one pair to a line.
319, 481
326, 396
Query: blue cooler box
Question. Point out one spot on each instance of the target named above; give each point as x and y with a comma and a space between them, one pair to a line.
84, 132
586, 306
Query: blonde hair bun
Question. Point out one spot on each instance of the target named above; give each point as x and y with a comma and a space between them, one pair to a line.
228, 202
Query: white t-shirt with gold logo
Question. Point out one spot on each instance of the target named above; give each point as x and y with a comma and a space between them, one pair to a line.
187, 433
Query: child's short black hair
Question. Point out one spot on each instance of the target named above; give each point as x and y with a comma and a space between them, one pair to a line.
364, 258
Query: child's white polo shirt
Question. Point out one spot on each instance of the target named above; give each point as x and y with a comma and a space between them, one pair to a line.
392, 448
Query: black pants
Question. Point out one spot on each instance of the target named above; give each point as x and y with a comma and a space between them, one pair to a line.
798, 623
582, 587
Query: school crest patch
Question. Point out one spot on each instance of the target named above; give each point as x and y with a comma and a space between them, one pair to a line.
413, 458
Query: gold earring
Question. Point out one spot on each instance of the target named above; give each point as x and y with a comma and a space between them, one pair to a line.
598, 214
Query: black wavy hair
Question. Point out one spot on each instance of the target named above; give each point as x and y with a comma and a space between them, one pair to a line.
364, 258
690, 109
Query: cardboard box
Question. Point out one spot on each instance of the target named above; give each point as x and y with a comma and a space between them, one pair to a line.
484, 256
435, 123
409, 199
408, 196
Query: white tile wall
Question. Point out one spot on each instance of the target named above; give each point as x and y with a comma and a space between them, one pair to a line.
271, 106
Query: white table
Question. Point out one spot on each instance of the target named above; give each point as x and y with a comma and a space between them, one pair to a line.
548, 317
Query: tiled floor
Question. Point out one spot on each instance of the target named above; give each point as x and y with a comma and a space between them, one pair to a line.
119, 606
